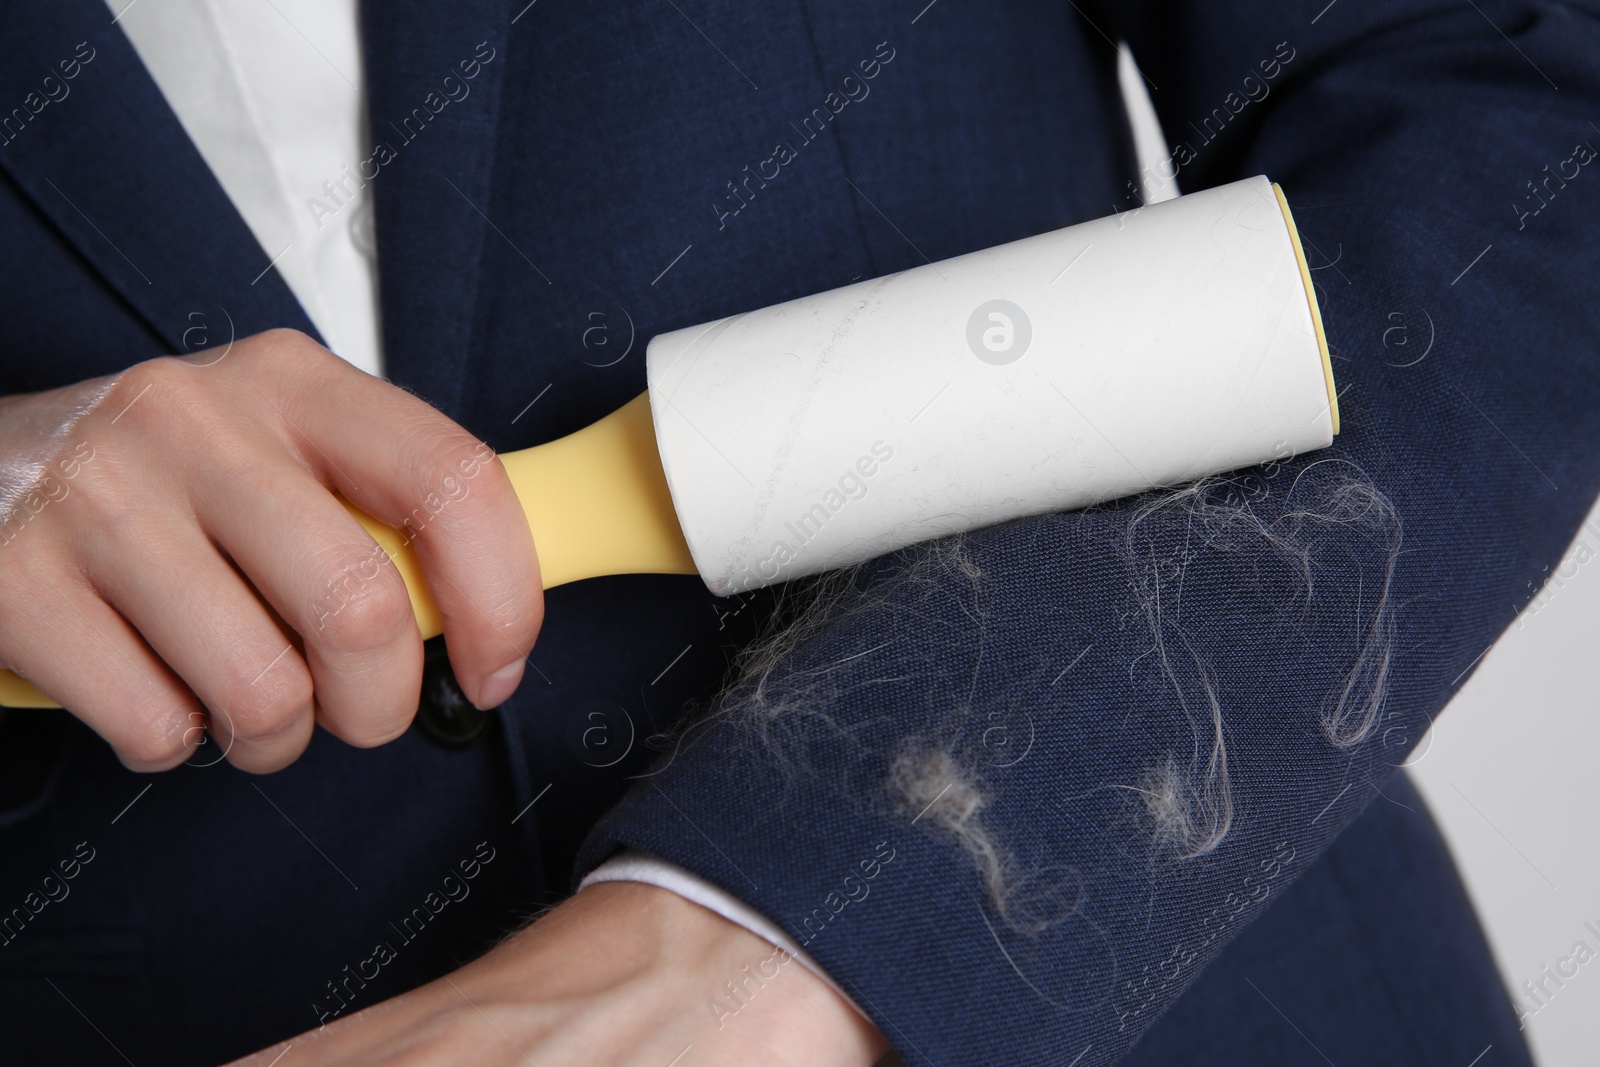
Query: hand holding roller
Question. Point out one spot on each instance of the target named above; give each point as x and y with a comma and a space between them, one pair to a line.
1136, 351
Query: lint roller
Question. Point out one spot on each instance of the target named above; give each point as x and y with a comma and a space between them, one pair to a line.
1146, 349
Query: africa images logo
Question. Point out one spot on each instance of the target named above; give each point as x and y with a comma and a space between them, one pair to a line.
999, 332
852, 484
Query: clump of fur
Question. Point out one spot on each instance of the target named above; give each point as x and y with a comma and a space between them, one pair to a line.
1329, 526
1189, 802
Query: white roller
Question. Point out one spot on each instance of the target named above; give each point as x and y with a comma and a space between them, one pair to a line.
1145, 349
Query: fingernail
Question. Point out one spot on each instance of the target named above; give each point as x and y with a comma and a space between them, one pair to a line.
498, 687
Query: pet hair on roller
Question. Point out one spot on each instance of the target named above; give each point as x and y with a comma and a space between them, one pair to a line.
1146, 349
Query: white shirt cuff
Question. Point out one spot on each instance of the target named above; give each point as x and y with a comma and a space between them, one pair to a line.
638, 867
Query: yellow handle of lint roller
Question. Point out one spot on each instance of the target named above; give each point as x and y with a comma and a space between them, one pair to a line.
597, 503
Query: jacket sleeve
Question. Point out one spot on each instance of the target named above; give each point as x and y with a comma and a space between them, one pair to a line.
1015, 790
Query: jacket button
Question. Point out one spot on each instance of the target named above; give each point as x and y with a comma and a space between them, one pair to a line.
445, 714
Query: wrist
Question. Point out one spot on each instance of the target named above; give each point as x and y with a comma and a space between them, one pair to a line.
754, 999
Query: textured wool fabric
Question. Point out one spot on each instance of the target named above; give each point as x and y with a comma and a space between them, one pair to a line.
1014, 792
1367, 958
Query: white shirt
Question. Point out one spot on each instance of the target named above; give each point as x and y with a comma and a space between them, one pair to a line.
270, 92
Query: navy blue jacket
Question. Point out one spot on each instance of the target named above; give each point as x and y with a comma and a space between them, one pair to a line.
1017, 791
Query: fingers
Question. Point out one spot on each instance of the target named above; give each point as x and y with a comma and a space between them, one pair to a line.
484, 577
186, 522
408, 465
198, 615
326, 578
85, 656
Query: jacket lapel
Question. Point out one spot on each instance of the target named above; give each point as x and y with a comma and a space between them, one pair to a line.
433, 88
107, 162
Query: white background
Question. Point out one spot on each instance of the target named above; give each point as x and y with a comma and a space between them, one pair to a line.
1512, 771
